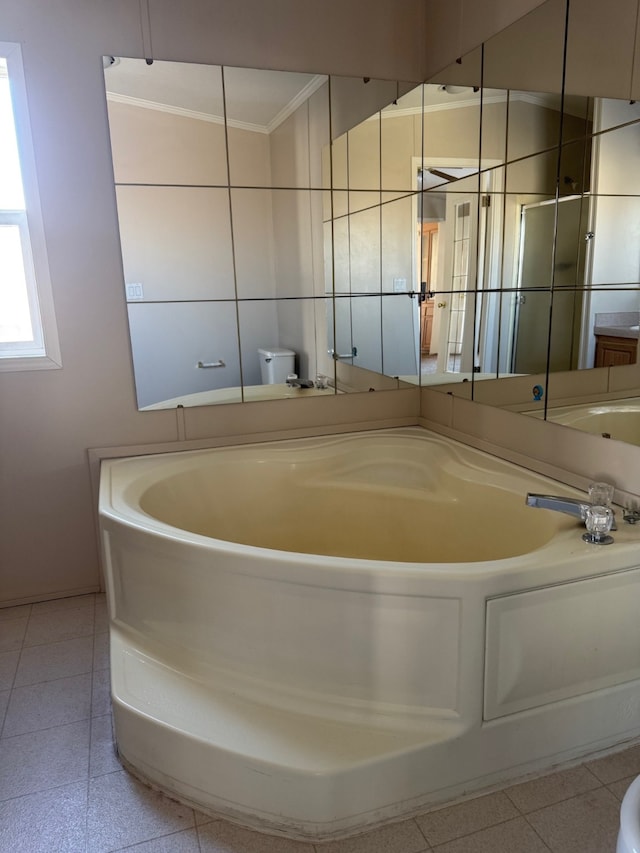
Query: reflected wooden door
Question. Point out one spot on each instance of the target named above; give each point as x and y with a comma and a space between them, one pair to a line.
428, 259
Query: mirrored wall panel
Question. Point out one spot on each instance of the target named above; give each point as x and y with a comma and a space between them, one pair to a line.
353, 233
218, 175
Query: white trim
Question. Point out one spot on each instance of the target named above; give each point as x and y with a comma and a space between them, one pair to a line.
144, 104
303, 95
47, 356
538, 100
436, 108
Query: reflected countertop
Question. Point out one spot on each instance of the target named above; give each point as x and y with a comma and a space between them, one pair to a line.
617, 331
617, 324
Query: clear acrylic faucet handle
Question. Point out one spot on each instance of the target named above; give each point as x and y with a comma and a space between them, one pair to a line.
598, 521
601, 494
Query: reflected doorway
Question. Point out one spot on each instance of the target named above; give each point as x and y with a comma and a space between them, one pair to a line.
428, 259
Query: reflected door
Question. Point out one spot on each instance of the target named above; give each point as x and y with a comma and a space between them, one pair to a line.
548, 306
455, 345
428, 255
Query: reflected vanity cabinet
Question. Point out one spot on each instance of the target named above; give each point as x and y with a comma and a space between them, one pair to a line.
613, 351
616, 335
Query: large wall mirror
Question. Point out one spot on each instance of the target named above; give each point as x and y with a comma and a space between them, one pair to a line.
555, 288
363, 233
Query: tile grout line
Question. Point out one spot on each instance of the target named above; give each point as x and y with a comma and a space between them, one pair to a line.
88, 783
15, 674
434, 848
535, 831
555, 802
420, 830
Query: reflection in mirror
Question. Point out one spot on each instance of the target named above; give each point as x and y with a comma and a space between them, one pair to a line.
372, 219
584, 229
566, 264
219, 192
482, 225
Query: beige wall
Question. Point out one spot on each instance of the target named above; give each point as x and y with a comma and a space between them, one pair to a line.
48, 419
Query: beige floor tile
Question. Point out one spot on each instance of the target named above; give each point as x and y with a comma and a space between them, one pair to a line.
587, 823
102, 757
101, 651
51, 703
12, 633
46, 822
538, 793
223, 837
179, 842
55, 660
19, 612
41, 760
123, 812
4, 701
619, 788
63, 624
72, 602
514, 836
102, 614
403, 837
8, 666
101, 693
470, 816
616, 766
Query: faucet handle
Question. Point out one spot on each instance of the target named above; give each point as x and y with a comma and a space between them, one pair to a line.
598, 521
601, 494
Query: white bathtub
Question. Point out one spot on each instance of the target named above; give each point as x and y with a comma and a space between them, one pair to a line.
617, 419
314, 636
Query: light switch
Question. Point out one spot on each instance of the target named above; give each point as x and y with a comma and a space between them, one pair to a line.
134, 291
399, 285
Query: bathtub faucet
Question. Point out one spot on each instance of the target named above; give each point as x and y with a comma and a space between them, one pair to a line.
570, 506
295, 382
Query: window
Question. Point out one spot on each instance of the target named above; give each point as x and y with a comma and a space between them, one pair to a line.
28, 336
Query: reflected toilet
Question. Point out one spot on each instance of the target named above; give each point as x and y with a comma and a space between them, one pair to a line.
276, 364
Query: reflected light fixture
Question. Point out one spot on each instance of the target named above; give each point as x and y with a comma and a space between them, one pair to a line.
457, 90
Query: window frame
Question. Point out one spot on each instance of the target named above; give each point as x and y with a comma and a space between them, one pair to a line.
43, 353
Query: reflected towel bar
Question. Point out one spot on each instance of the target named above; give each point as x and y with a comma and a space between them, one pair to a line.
219, 363
336, 355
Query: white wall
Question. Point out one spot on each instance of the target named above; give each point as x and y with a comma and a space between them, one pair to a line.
48, 419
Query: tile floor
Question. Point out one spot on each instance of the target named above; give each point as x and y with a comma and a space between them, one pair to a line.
62, 789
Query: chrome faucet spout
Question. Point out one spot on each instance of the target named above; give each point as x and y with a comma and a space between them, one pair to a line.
570, 506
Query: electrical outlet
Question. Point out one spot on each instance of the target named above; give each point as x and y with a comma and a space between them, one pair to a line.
399, 285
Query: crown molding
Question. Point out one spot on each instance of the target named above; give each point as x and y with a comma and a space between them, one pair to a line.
284, 113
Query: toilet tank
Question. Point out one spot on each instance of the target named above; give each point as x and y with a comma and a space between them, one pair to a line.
276, 364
